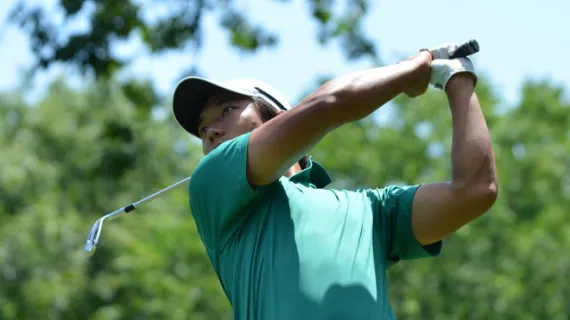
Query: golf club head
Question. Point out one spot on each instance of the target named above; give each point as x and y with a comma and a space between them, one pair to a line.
93, 237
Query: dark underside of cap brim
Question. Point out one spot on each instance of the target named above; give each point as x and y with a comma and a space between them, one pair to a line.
189, 99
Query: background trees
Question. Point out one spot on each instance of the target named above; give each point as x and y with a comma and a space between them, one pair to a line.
79, 153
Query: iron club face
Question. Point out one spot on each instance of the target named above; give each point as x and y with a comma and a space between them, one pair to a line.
95, 232
93, 237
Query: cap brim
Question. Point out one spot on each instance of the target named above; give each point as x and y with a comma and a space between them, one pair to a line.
190, 97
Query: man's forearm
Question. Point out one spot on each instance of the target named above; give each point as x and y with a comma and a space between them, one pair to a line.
358, 94
473, 163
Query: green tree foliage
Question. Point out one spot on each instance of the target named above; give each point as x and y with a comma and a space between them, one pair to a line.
76, 155
68, 160
80, 153
170, 24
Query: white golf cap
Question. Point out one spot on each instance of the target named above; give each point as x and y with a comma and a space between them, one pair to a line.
192, 93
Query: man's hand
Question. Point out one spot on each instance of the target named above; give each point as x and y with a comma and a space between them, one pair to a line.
443, 51
421, 84
442, 68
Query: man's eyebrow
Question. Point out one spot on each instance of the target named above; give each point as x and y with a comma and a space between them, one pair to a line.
220, 101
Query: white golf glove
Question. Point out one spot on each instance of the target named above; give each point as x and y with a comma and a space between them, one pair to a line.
443, 69
443, 51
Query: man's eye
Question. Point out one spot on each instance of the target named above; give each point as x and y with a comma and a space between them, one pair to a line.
203, 130
226, 110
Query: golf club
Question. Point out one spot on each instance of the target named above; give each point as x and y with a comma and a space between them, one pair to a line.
95, 232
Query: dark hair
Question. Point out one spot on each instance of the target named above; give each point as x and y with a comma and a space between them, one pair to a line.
267, 112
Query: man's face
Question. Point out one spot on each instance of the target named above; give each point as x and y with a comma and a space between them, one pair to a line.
224, 117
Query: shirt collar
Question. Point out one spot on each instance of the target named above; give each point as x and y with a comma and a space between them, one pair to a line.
314, 173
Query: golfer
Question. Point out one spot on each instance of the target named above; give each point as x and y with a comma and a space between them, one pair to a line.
285, 246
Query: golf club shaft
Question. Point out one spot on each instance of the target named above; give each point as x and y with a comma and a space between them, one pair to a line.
133, 205
157, 193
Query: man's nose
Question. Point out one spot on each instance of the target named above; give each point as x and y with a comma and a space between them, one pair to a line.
214, 133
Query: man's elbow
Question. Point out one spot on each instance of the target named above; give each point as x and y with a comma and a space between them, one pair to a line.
478, 198
487, 195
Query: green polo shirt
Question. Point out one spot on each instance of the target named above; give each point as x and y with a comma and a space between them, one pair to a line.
295, 250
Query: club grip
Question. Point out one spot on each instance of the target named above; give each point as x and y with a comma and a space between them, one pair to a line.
468, 48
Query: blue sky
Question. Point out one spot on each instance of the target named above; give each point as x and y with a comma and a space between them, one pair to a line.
519, 40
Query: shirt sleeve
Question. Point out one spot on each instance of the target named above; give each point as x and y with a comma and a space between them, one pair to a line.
393, 214
220, 193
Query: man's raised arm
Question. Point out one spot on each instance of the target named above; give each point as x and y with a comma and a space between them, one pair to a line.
279, 143
441, 208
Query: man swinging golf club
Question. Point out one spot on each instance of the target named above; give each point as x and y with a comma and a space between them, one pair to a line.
286, 247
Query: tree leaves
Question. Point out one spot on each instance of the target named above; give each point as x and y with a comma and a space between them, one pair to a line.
77, 155
172, 25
